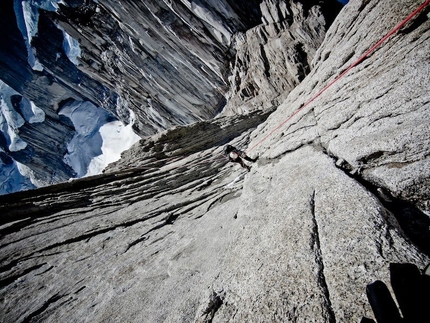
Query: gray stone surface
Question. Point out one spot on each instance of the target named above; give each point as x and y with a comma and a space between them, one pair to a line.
317, 236
274, 57
118, 246
374, 119
165, 62
174, 233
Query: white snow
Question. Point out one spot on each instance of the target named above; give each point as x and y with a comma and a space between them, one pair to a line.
87, 141
10, 120
11, 179
116, 139
16, 143
71, 48
27, 17
30, 112
38, 114
13, 175
13, 118
99, 140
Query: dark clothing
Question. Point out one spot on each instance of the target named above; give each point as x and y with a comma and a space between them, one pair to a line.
235, 155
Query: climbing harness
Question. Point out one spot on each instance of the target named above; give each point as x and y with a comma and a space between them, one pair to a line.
358, 61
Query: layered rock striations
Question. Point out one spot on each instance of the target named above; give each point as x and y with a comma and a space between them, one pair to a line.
173, 232
156, 64
143, 204
274, 57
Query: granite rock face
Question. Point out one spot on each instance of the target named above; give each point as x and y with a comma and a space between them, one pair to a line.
274, 57
173, 232
156, 64
372, 121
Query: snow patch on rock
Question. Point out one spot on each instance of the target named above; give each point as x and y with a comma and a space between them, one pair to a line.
11, 178
99, 140
10, 121
71, 48
27, 16
116, 139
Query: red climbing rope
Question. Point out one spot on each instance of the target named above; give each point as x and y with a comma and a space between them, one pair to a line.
358, 61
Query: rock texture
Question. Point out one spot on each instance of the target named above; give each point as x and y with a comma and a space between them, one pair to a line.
166, 63
372, 121
110, 219
175, 233
274, 57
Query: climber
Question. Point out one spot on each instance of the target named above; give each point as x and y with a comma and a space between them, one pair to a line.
235, 155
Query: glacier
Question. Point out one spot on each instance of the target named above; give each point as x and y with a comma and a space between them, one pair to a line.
99, 140
99, 137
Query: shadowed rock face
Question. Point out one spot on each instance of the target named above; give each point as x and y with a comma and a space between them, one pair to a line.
173, 232
273, 58
166, 62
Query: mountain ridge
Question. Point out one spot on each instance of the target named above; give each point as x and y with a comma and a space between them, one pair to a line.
338, 195
155, 64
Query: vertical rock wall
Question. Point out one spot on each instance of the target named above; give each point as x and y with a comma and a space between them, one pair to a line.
175, 233
275, 56
165, 63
